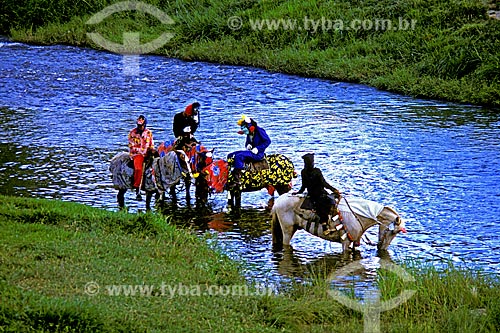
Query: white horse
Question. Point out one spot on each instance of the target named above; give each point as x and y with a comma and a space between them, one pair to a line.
355, 217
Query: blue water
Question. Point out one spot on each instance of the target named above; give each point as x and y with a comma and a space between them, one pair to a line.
66, 111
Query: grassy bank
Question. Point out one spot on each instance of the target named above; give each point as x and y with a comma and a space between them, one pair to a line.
446, 49
54, 255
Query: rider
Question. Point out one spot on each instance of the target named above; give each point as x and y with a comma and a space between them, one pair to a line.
256, 143
315, 183
140, 139
185, 125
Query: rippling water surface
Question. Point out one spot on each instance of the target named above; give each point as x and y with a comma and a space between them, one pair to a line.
66, 111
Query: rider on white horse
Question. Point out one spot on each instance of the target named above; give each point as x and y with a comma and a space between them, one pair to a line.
315, 183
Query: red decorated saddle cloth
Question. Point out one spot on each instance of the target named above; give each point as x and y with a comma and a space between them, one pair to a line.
216, 175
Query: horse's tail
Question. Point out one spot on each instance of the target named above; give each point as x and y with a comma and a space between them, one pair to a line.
277, 232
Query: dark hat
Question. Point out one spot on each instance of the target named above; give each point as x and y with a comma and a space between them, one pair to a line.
141, 120
308, 158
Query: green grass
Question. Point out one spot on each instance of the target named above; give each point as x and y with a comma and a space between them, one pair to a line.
51, 252
450, 52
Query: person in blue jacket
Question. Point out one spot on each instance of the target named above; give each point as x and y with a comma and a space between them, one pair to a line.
256, 143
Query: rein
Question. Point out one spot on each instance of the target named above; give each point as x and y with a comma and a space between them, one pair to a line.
188, 166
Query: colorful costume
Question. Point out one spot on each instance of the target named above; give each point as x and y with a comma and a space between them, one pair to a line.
140, 139
185, 125
256, 143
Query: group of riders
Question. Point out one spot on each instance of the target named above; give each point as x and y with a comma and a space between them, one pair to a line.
185, 124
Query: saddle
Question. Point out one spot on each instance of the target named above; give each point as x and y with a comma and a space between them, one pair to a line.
336, 229
257, 166
306, 209
307, 204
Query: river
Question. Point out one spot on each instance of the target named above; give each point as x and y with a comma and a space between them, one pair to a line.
65, 111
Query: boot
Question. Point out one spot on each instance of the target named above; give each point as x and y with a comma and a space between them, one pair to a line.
327, 229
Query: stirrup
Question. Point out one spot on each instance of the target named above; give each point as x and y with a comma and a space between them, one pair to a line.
327, 231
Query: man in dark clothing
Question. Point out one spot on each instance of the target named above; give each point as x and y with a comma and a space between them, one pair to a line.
185, 125
315, 183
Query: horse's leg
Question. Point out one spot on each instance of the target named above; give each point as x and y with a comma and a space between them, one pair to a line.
237, 200
201, 191
149, 196
172, 193
287, 227
288, 232
345, 246
120, 197
276, 232
187, 183
234, 201
230, 199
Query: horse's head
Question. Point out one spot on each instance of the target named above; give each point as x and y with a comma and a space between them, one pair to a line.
389, 234
399, 225
184, 163
151, 154
205, 158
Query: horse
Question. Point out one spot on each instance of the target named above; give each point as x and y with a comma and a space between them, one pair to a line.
355, 216
274, 173
189, 170
159, 174
122, 175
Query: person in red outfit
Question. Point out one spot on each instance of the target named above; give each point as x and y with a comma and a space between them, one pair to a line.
140, 139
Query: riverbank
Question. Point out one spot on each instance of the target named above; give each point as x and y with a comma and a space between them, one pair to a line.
67, 267
447, 50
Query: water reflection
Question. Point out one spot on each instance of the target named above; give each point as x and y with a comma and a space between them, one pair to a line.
295, 263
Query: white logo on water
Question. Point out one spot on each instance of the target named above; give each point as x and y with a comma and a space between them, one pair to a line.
373, 307
131, 47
